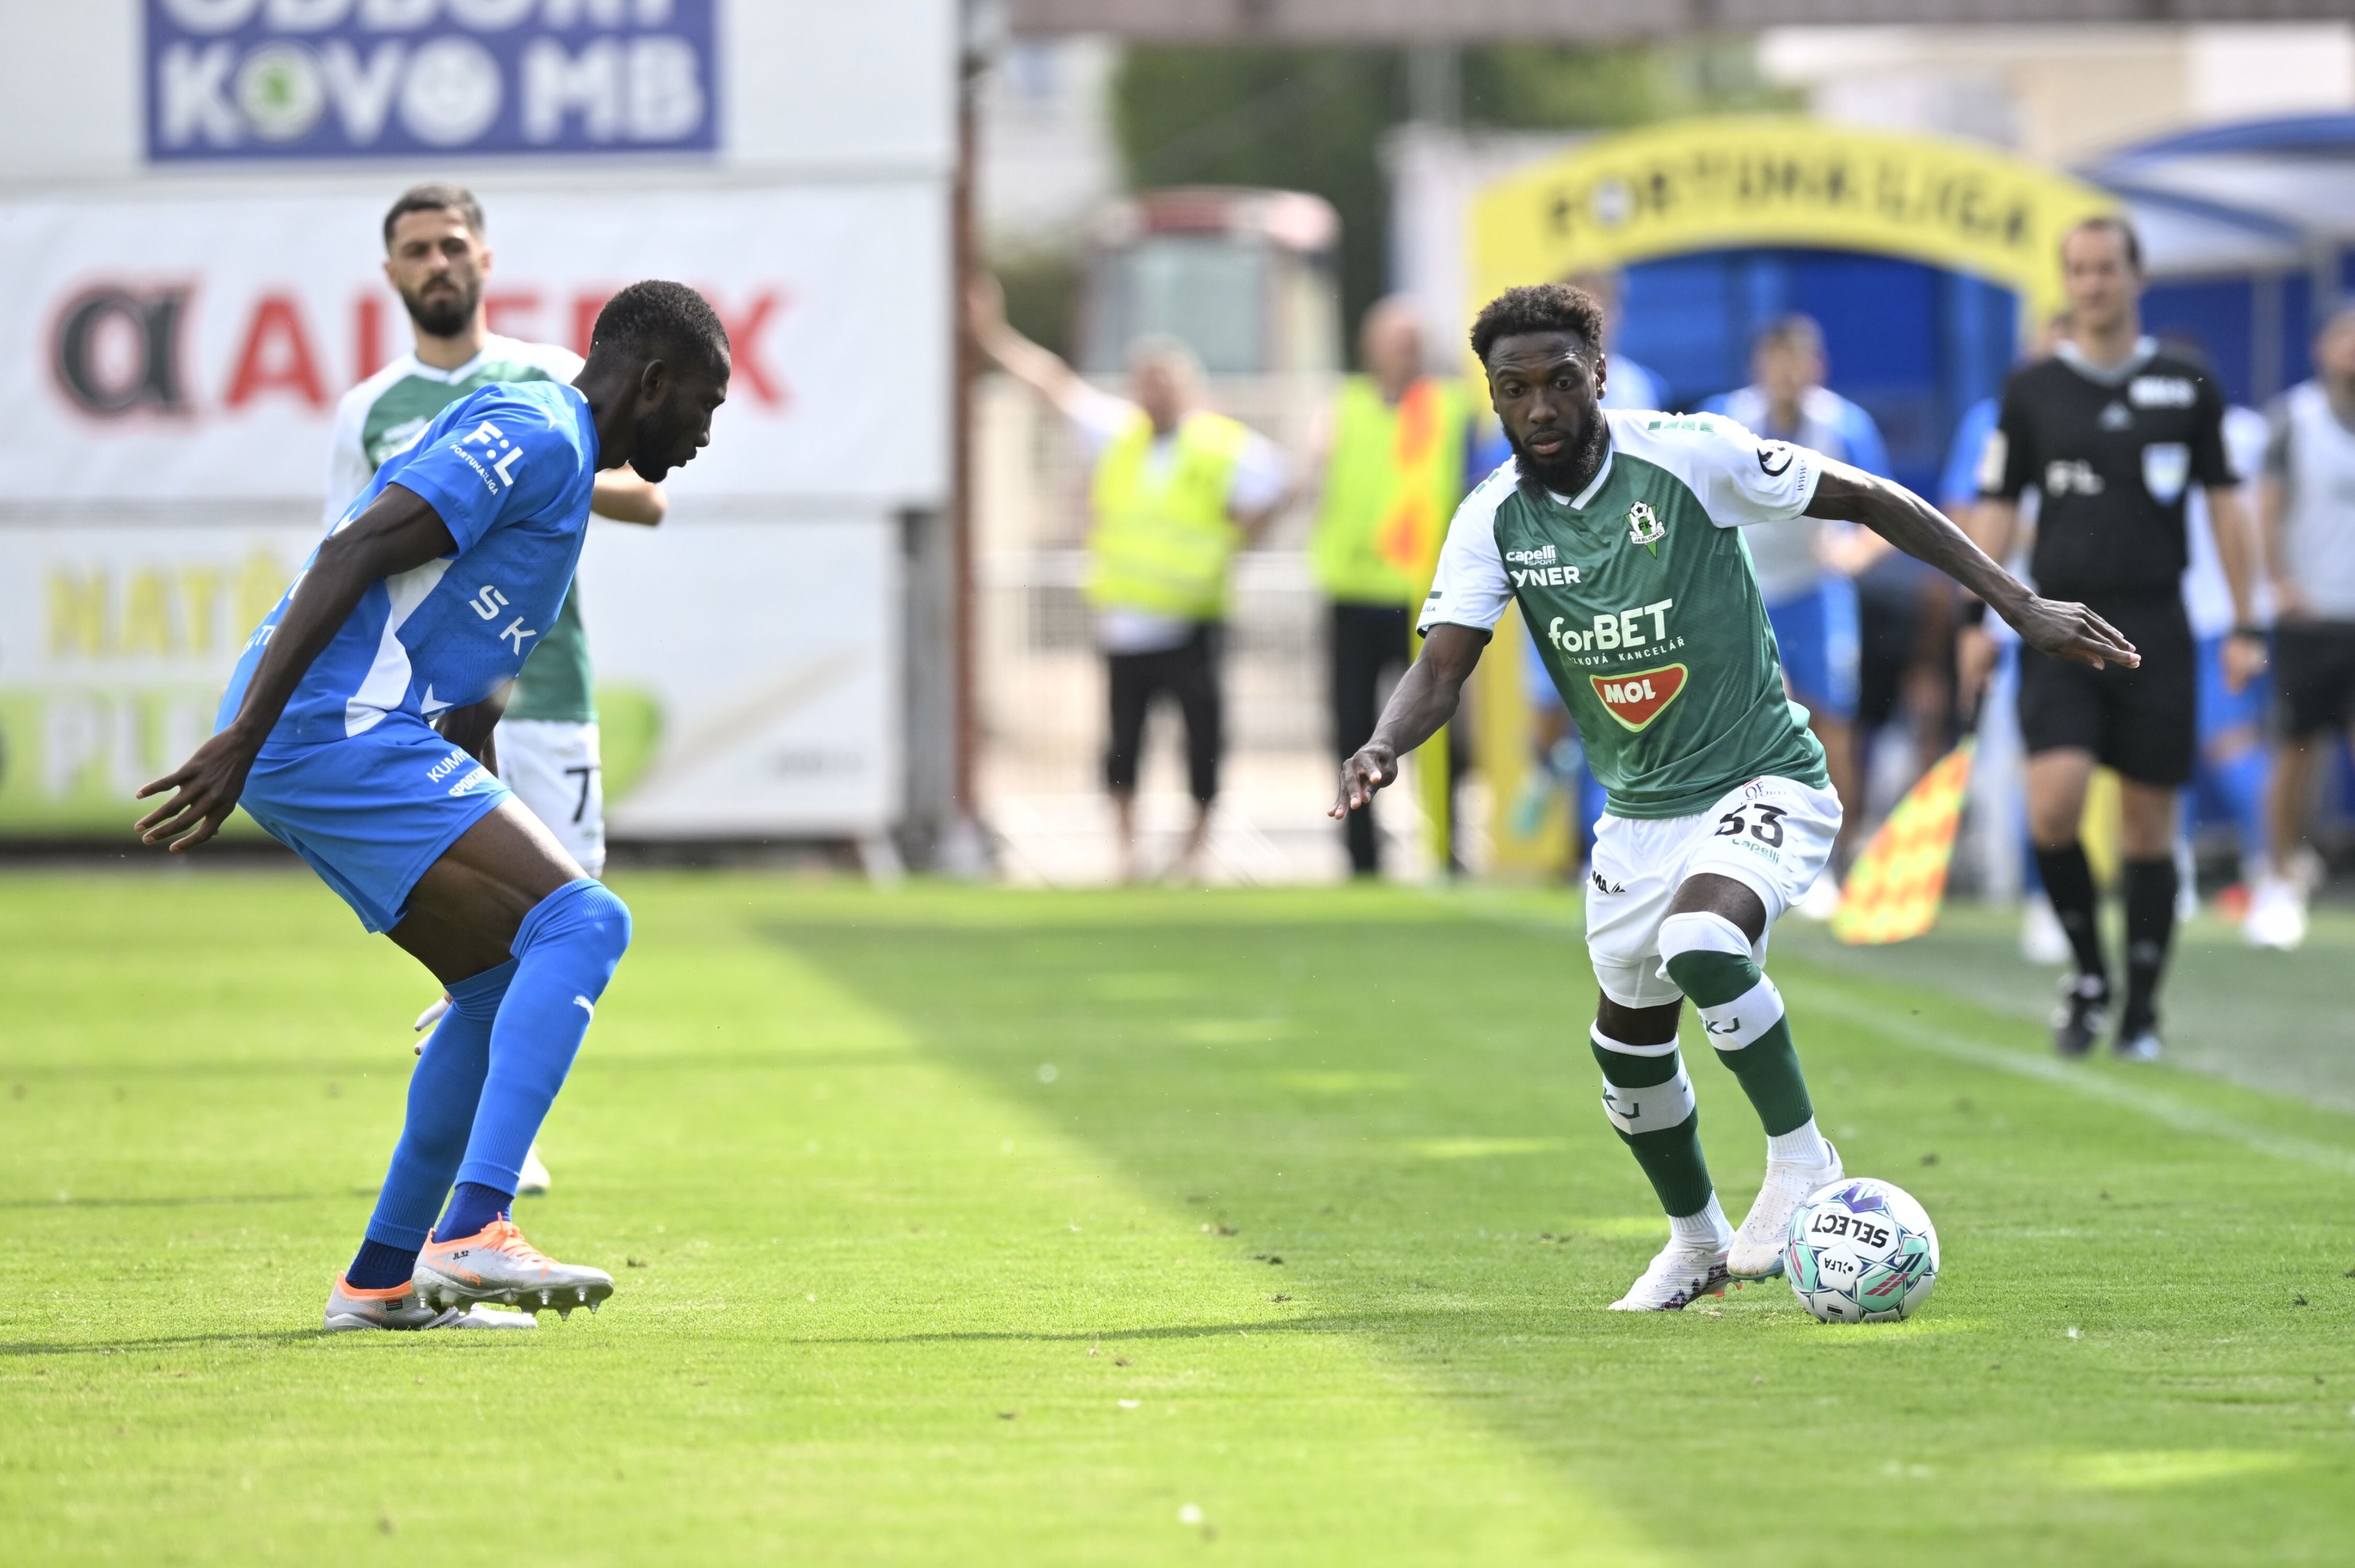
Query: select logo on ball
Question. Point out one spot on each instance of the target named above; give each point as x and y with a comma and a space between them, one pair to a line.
1638, 697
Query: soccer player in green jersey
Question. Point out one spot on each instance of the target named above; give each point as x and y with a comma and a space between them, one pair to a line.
546, 747
1615, 533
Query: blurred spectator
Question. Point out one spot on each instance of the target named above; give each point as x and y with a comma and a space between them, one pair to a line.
2308, 503
1987, 661
1177, 490
1393, 460
2234, 760
1806, 568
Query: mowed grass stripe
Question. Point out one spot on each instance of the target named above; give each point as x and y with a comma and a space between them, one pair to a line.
887, 1315
2139, 1306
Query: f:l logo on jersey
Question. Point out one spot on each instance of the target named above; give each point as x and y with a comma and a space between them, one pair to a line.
1636, 699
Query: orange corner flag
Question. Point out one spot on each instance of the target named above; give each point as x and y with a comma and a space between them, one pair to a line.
1894, 889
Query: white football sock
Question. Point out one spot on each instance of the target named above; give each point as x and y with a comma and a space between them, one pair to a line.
1706, 1228
1802, 1145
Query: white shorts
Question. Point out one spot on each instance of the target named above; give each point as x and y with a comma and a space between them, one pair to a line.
1772, 835
553, 767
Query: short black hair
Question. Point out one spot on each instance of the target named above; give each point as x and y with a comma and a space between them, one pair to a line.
2115, 225
436, 196
660, 320
1796, 327
1537, 307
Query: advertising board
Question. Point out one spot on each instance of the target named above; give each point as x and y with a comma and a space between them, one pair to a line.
293, 80
169, 366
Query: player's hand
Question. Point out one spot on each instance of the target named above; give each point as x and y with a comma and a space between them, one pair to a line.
2071, 631
1975, 657
984, 304
208, 786
1374, 766
2245, 660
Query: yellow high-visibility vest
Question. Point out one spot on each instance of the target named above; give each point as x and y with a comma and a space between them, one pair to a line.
1394, 479
1162, 541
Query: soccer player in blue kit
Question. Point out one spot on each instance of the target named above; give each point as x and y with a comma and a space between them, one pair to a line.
356, 729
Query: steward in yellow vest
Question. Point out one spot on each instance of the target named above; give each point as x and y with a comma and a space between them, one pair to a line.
1163, 540
1393, 471
1390, 486
1176, 491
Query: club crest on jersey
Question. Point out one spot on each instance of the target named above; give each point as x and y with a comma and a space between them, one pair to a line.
1644, 528
1638, 698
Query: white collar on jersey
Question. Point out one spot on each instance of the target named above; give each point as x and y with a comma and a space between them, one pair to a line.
1579, 503
2069, 355
491, 344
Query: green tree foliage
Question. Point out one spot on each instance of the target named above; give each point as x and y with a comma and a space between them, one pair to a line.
1303, 120
1313, 120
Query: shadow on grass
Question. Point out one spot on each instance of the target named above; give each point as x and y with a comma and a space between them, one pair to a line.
159, 1342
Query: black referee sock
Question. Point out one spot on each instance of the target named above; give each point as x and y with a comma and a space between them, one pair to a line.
2069, 883
2150, 888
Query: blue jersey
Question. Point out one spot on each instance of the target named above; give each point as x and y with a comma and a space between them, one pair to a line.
508, 469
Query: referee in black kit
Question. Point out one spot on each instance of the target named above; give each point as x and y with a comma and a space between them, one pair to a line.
2111, 431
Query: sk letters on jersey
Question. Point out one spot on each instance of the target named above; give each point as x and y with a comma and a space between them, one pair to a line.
508, 469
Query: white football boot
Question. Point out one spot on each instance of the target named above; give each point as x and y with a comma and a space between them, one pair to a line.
495, 1263
1757, 1249
1822, 899
401, 1308
1681, 1274
2276, 917
532, 1181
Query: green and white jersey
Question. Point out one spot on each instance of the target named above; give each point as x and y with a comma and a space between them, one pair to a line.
1641, 597
386, 412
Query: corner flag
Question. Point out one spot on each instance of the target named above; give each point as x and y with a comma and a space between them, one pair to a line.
1894, 889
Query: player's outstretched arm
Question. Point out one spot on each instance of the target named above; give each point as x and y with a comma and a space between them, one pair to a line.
1423, 701
2064, 630
398, 532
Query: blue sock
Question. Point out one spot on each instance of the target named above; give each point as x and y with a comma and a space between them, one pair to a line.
2242, 778
565, 953
443, 1092
471, 1207
379, 1265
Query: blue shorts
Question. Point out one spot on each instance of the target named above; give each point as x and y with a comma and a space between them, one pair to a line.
371, 813
2221, 710
1817, 633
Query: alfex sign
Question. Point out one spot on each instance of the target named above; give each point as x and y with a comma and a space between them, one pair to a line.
345, 79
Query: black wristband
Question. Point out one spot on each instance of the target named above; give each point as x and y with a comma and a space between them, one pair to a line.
1974, 613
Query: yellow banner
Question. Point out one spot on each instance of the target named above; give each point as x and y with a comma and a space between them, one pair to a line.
1728, 182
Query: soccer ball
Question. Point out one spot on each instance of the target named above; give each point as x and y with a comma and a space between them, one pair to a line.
1862, 1251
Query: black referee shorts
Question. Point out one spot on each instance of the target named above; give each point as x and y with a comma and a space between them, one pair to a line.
2143, 722
2314, 675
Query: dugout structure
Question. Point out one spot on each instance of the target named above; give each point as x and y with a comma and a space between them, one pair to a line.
1731, 186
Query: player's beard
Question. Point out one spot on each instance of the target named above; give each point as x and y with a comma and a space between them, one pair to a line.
1575, 467
444, 314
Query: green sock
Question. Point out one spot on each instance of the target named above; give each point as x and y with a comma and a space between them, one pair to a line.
1742, 1012
1650, 1103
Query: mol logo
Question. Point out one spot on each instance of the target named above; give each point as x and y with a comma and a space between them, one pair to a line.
1636, 699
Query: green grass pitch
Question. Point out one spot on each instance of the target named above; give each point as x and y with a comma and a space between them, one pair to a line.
969, 1227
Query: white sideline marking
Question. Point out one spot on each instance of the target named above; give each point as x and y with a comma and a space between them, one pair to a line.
1829, 995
